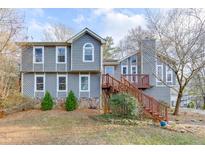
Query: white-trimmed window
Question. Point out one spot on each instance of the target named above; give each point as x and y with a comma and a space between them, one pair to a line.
133, 71
84, 83
169, 74
61, 55
134, 60
109, 70
88, 52
39, 83
159, 72
124, 69
38, 54
62, 83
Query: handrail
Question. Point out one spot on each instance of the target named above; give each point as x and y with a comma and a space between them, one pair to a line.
140, 80
151, 105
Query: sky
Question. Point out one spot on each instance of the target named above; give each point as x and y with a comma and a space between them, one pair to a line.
105, 22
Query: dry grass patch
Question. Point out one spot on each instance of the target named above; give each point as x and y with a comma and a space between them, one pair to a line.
76, 127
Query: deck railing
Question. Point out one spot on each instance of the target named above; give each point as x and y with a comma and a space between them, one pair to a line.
156, 109
139, 80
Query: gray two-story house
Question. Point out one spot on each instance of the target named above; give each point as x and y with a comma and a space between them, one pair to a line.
59, 67
77, 65
144, 69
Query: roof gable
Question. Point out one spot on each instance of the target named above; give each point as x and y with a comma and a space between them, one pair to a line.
86, 30
130, 55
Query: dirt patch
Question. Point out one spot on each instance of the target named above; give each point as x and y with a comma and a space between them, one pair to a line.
187, 121
76, 127
186, 117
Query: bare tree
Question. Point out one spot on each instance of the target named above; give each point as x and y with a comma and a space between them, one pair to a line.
57, 32
181, 35
197, 87
135, 37
9, 76
11, 26
132, 41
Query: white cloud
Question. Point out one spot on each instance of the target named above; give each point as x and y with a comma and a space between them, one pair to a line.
98, 12
79, 19
111, 22
51, 18
117, 24
37, 28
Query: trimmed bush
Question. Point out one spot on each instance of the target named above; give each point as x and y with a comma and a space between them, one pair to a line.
123, 104
191, 105
47, 103
71, 101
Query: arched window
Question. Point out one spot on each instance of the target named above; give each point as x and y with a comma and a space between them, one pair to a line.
88, 52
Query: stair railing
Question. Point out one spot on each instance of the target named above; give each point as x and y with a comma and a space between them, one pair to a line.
152, 106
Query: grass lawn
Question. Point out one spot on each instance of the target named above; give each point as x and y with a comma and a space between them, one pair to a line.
61, 127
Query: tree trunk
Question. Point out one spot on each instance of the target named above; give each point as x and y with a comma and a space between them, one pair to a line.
176, 110
204, 102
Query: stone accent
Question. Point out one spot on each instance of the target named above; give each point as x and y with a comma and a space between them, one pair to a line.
60, 103
89, 103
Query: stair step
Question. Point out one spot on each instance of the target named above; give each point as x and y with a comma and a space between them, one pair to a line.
115, 86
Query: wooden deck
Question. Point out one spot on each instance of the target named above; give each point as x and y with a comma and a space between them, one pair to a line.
151, 106
141, 81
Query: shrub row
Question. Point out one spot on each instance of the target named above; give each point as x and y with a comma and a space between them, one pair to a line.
70, 103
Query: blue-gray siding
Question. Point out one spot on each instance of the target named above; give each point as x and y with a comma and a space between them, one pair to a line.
51, 85
77, 54
49, 64
148, 60
146, 64
95, 85
49, 58
160, 93
73, 83
28, 84
27, 60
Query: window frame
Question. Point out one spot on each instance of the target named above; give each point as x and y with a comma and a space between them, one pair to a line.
135, 68
122, 69
57, 51
34, 54
135, 77
38, 75
131, 60
66, 82
159, 65
80, 79
169, 72
92, 52
113, 67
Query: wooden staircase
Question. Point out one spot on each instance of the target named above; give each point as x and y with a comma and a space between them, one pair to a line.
152, 107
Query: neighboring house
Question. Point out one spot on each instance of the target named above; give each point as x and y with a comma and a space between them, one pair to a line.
141, 68
59, 67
